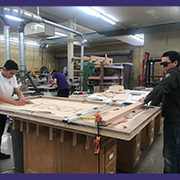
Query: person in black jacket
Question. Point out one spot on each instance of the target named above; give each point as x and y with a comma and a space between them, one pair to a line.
168, 92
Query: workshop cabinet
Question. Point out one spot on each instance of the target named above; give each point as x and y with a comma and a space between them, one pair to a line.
128, 153
49, 150
158, 124
147, 135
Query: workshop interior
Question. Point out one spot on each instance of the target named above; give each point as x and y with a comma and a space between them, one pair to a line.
110, 56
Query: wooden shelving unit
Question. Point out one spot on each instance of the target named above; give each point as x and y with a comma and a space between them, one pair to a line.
109, 75
92, 59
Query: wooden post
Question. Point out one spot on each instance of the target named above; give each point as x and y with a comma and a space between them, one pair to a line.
74, 143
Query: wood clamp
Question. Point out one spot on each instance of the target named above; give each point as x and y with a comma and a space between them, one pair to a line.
97, 141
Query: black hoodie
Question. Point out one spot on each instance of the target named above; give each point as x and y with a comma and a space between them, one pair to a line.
168, 92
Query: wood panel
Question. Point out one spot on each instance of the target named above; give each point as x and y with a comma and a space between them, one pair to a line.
60, 108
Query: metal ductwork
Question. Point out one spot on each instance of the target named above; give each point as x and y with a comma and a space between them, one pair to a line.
30, 17
7, 43
109, 53
6, 39
17, 12
22, 57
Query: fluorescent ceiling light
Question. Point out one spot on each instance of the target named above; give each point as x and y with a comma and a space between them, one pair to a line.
60, 34
108, 20
13, 18
139, 37
107, 15
98, 13
90, 11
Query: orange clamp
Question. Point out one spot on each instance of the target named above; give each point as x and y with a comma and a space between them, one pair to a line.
98, 117
97, 142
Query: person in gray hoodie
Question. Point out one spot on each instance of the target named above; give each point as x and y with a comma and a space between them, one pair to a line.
168, 92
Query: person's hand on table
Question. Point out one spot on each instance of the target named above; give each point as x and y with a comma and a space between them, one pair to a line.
49, 85
141, 99
20, 102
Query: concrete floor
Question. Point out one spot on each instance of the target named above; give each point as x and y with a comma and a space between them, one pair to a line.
150, 162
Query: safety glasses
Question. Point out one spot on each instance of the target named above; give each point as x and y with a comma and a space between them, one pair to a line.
165, 64
9, 72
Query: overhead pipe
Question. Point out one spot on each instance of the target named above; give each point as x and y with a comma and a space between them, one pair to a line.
7, 43
22, 57
6, 39
30, 17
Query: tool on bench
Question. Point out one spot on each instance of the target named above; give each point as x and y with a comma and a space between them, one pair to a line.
97, 141
72, 118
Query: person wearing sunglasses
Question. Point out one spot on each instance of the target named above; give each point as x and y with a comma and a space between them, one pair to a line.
8, 84
168, 92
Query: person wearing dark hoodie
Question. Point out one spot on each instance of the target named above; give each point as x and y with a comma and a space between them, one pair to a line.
168, 92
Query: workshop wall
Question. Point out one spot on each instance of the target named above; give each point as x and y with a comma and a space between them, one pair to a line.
157, 43
33, 56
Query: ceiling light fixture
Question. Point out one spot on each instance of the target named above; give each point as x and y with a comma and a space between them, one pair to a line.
13, 18
139, 37
97, 13
60, 34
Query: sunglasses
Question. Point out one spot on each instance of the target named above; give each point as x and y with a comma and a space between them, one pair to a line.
165, 64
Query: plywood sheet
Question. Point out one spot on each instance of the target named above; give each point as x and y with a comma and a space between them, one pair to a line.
60, 108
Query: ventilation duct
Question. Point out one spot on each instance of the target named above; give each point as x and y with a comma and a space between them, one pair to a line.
7, 43
22, 57
109, 53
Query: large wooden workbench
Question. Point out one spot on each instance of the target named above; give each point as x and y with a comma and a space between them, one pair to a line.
54, 145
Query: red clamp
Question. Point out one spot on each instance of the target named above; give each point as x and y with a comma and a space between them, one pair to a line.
97, 141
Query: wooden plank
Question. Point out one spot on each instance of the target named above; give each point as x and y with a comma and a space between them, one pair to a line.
120, 113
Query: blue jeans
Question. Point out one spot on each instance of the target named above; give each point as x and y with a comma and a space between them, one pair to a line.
171, 149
